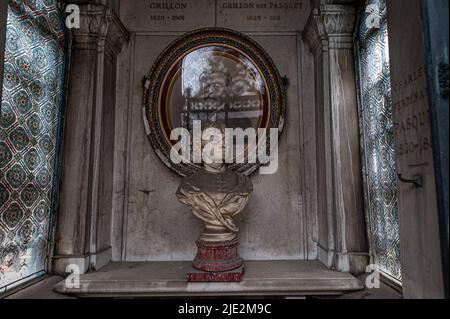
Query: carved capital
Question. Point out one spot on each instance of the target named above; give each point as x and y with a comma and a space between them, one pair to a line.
100, 29
338, 19
331, 26
314, 33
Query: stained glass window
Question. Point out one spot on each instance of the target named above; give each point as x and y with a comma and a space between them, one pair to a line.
29, 128
377, 138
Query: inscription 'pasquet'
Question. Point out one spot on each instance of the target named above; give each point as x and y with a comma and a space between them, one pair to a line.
265, 5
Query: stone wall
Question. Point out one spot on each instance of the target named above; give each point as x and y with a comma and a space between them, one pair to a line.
280, 221
310, 209
418, 212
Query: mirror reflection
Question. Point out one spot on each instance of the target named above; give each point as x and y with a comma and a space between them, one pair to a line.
215, 84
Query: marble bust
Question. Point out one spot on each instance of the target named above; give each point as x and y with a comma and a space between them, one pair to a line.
216, 195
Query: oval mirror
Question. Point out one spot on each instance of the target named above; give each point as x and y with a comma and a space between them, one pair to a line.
211, 76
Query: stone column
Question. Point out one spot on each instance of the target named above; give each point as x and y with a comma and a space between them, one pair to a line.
342, 234
83, 234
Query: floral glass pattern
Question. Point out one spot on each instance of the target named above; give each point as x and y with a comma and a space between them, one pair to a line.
32, 96
377, 138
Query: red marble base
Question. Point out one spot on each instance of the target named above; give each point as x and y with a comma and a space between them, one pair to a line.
217, 256
217, 261
227, 276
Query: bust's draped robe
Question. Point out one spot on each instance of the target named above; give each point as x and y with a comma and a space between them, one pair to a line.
216, 198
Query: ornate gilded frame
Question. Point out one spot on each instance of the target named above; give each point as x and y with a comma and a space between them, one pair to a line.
276, 87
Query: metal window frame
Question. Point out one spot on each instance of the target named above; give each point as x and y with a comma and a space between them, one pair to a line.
3, 22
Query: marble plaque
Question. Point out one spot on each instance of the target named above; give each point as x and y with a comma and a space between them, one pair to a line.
187, 15
263, 15
167, 15
412, 125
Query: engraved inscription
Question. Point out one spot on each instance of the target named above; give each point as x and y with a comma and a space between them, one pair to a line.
412, 126
187, 15
263, 14
168, 15
269, 7
409, 81
263, 5
167, 5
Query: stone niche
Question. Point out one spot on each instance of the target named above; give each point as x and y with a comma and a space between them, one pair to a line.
280, 222
302, 232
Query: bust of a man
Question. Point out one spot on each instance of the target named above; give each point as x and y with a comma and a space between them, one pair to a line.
216, 194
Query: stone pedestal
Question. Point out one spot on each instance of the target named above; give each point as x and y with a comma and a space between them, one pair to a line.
226, 276
217, 262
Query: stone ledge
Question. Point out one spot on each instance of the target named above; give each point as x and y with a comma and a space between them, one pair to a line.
168, 279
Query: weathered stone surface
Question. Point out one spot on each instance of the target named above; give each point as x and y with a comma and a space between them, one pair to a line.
85, 215
162, 279
340, 209
158, 228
